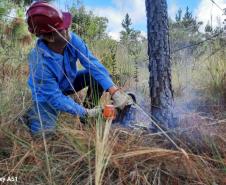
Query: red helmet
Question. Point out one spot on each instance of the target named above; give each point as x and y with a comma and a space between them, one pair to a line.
41, 16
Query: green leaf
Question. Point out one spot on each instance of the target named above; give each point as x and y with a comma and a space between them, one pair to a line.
2, 11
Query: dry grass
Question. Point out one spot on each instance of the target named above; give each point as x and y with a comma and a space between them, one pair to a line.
122, 157
101, 153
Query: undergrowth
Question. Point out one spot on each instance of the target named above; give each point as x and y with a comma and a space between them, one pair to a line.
102, 153
88, 155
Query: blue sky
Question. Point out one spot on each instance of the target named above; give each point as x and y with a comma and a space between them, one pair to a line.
115, 11
184, 3
180, 3
103, 3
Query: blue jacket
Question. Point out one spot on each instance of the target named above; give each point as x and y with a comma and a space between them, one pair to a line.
52, 73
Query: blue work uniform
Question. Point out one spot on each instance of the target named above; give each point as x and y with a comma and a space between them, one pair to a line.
52, 74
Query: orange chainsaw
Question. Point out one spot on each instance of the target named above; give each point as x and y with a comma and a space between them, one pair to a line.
123, 117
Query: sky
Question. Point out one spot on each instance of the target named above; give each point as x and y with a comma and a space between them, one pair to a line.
115, 11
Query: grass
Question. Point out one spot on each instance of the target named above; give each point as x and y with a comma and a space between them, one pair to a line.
116, 156
106, 154
103, 149
103, 153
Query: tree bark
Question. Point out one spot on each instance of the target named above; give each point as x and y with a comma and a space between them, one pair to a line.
159, 62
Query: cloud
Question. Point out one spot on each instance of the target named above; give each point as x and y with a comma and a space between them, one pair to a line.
114, 16
114, 35
144, 34
206, 9
136, 9
172, 10
117, 12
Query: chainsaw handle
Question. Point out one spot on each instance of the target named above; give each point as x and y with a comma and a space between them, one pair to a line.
133, 96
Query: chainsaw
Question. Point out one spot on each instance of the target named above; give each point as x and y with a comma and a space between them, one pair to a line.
132, 116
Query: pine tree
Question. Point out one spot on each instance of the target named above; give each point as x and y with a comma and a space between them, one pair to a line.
188, 19
126, 23
159, 62
126, 33
179, 16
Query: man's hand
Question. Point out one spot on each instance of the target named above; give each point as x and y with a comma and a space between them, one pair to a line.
94, 112
121, 99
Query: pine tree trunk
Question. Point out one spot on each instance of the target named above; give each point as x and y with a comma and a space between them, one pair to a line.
159, 62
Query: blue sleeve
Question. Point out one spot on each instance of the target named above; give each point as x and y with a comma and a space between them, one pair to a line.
45, 88
91, 63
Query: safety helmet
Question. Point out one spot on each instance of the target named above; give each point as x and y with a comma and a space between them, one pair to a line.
42, 16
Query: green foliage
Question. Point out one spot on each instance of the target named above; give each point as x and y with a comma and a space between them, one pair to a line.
208, 28
214, 69
188, 19
2, 11
5, 7
75, 156
89, 26
105, 50
184, 31
19, 29
179, 15
24, 2
126, 23
15, 38
129, 36
133, 44
200, 67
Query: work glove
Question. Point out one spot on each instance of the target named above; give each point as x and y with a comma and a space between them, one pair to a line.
94, 112
121, 99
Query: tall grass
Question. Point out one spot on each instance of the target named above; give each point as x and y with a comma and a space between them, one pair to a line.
104, 145
96, 155
104, 153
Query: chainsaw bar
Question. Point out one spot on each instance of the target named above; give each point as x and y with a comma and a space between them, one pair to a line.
132, 117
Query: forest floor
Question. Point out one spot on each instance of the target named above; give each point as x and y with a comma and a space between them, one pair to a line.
78, 154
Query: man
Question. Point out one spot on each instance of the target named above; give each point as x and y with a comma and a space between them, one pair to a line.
53, 71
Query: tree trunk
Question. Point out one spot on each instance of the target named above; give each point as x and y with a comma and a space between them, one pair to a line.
159, 62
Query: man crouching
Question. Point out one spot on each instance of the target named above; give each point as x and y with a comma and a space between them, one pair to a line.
54, 75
